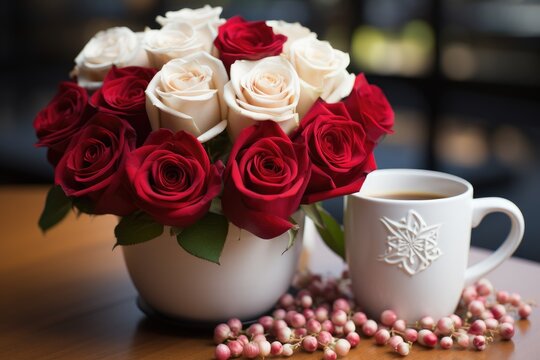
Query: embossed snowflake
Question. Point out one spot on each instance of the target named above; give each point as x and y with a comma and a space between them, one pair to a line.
411, 243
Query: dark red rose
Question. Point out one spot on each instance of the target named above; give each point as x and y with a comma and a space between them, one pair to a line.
92, 167
368, 105
265, 179
56, 124
239, 39
122, 94
339, 153
172, 178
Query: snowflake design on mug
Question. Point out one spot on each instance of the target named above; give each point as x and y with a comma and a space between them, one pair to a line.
411, 243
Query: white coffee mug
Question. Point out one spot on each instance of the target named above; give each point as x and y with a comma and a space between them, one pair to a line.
411, 255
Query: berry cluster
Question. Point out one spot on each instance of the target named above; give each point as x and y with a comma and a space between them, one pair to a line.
322, 317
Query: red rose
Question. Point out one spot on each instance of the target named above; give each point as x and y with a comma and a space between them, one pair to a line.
340, 156
172, 178
92, 167
122, 94
65, 114
265, 178
239, 39
368, 105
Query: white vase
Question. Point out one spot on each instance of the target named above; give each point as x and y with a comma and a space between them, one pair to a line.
252, 275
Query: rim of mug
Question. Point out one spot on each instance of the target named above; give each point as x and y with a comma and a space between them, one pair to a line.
429, 173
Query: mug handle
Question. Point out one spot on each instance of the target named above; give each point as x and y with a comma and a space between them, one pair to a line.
482, 207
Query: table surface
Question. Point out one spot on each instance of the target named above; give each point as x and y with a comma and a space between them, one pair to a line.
67, 295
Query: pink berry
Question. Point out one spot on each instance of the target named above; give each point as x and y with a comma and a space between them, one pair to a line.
456, 320
388, 317
524, 310
463, 340
476, 307
342, 347
394, 341
484, 287
309, 343
445, 326
359, 318
498, 311
446, 342
221, 333
469, 294
507, 319
353, 338
222, 352
306, 301
288, 350
313, 326
491, 324
369, 328
284, 334
341, 304
300, 332
298, 320
276, 348
339, 317
427, 322
235, 325
266, 322
403, 349
329, 354
411, 335
279, 324
279, 314
427, 338
506, 331
338, 331
264, 348
327, 325
286, 301
324, 338
308, 314
251, 350
478, 327
503, 297
255, 329
349, 327
242, 339
479, 342
236, 348
399, 325
515, 299
382, 336
321, 314
258, 338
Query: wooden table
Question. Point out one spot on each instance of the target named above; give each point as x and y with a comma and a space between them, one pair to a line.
66, 295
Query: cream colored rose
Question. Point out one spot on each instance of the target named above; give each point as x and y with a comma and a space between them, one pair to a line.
117, 46
193, 17
187, 95
322, 71
293, 32
266, 89
176, 40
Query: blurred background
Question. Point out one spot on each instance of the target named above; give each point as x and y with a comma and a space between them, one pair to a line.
462, 75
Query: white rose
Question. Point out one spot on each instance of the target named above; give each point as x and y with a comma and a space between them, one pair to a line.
187, 95
293, 32
117, 46
176, 40
266, 89
322, 70
194, 17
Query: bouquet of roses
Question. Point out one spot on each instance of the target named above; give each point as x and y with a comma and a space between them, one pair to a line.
208, 121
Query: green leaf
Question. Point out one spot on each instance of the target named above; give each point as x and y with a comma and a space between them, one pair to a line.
83, 205
205, 239
329, 229
292, 235
215, 206
219, 147
56, 208
136, 228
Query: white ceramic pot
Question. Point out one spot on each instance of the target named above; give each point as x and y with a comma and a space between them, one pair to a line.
252, 276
